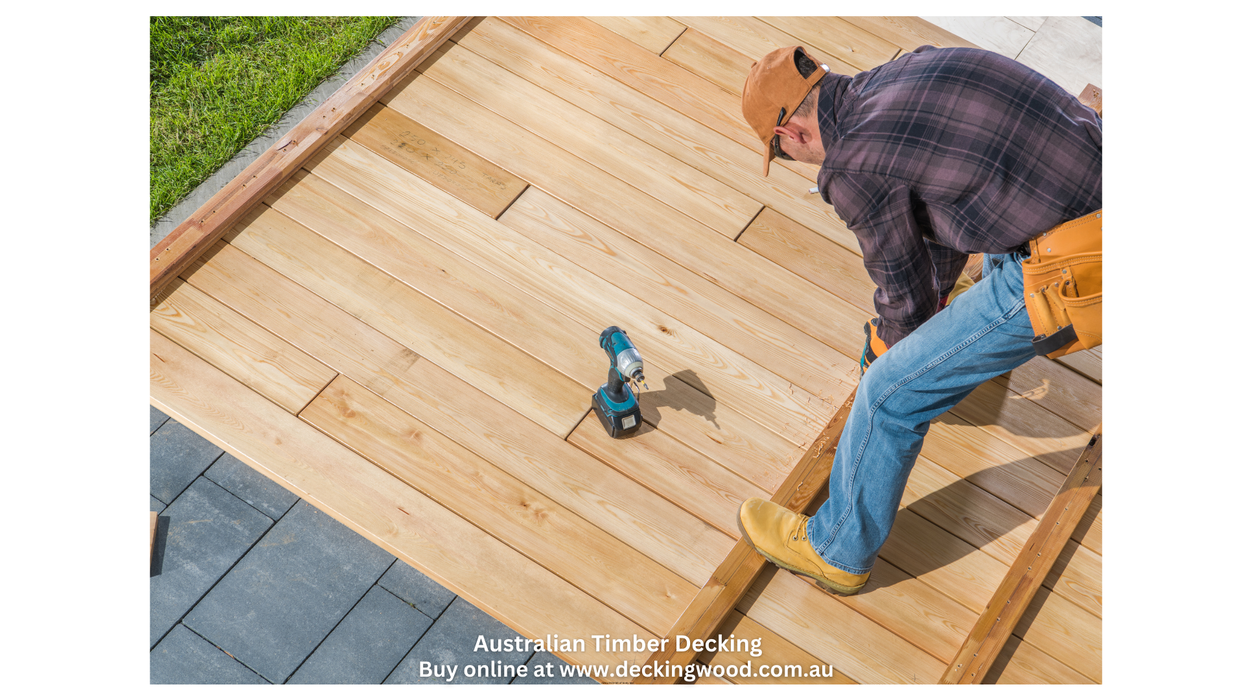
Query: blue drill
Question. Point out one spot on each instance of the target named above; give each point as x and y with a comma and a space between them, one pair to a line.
614, 402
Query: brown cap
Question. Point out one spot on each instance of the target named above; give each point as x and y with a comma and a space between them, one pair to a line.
774, 84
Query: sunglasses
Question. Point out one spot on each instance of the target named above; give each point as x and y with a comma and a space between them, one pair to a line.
777, 146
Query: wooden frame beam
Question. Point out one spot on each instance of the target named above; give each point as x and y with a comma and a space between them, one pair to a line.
732, 579
212, 220
1017, 589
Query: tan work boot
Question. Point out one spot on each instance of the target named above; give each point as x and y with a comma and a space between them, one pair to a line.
781, 536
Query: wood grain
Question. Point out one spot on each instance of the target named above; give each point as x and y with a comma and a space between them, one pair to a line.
437, 160
909, 32
754, 37
840, 38
239, 347
1065, 631
652, 33
955, 568
496, 502
676, 134
1023, 663
415, 320
774, 651
710, 59
212, 220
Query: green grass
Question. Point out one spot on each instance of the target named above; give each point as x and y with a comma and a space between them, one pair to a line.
218, 82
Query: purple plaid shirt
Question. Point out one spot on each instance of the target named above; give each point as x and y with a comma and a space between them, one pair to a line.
946, 152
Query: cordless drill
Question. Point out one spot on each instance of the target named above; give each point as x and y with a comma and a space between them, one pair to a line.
614, 402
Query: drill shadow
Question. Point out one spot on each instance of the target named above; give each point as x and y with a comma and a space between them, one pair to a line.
684, 391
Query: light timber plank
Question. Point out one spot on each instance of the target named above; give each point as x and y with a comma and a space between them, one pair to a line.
303, 319
470, 417
861, 648
1077, 576
1089, 531
676, 88
652, 33
664, 341
774, 651
421, 532
1022, 663
840, 38
249, 353
1065, 631
1003, 470
501, 505
418, 322
155, 520
595, 140
1058, 389
661, 463
441, 162
188, 241
909, 32
812, 256
1066, 50
754, 37
710, 59
645, 220
997, 34
736, 323
1010, 603
1024, 424
1085, 362
967, 511
945, 562
672, 132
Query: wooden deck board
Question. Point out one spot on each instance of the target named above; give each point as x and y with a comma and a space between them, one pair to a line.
427, 294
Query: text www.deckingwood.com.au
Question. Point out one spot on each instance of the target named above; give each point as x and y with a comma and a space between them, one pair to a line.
624, 671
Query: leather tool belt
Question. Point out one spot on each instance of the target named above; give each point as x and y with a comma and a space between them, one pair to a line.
1062, 287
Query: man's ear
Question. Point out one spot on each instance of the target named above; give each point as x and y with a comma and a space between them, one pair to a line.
794, 131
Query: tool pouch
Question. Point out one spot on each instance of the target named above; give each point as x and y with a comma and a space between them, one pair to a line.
1062, 287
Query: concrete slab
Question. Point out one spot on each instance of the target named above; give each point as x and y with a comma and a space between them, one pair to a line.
289, 591
184, 657
236, 477
208, 530
409, 584
178, 457
157, 419
446, 653
367, 645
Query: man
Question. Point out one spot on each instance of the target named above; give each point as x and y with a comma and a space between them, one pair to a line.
936, 155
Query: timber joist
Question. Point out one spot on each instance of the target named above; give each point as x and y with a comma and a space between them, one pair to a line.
394, 314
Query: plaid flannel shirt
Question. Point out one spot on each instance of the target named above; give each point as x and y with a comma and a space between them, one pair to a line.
946, 152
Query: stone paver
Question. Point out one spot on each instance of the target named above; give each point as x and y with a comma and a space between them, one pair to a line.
208, 530
368, 643
233, 475
289, 591
447, 650
178, 457
157, 419
411, 585
184, 657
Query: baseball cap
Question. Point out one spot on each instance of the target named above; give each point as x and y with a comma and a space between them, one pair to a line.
774, 90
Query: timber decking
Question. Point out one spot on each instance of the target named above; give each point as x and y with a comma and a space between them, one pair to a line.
404, 330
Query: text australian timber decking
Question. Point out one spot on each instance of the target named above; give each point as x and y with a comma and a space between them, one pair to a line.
395, 315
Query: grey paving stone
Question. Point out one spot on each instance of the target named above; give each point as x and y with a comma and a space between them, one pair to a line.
289, 591
449, 648
208, 530
186, 658
178, 457
412, 586
157, 419
368, 643
238, 478
546, 669
157, 505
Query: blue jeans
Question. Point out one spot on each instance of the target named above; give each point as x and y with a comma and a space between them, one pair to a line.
984, 333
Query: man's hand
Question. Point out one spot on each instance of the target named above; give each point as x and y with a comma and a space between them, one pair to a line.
874, 346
